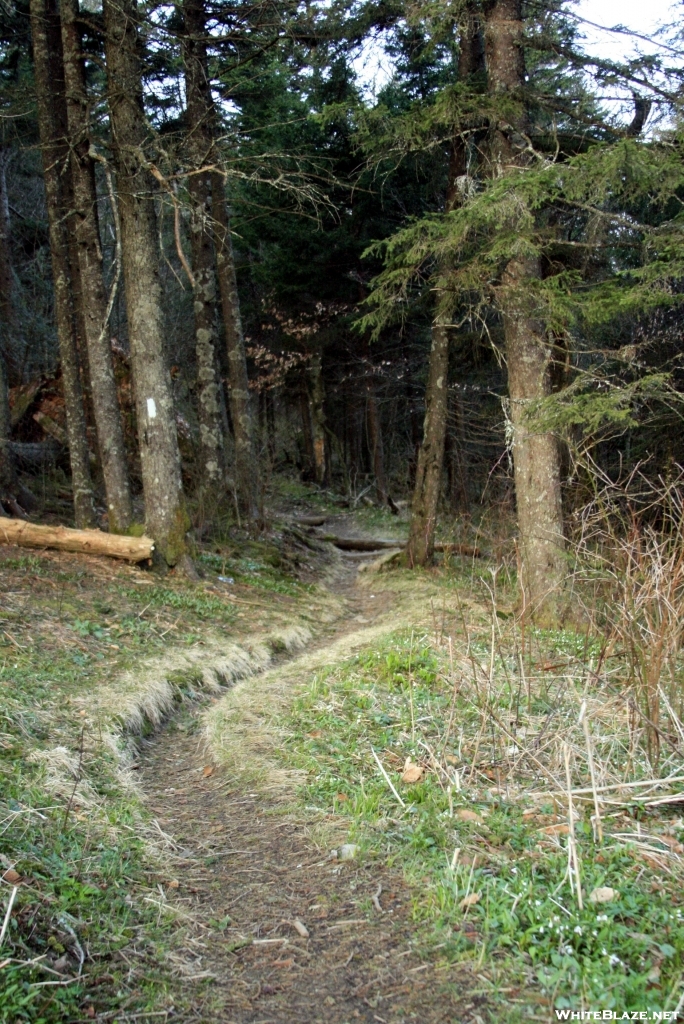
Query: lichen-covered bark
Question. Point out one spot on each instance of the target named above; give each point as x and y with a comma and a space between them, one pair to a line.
51, 109
165, 512
199, 147
93, 296
246, 466
421, 542
528, 351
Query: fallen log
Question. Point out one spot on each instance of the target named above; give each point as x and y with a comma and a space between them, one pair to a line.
309, 520
377, 544
84, 542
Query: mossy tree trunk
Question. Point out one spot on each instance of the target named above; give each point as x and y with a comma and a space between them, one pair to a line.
528, 349
52, 128
166, 516
110, 438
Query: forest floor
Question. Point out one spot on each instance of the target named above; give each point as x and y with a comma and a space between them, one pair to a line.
296, 791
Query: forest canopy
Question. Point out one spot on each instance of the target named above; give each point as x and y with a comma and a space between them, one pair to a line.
223, 256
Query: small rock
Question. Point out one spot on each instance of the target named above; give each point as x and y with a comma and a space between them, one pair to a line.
604, 894
349, 851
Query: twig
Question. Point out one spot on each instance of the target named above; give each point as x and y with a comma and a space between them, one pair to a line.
572, 847
117, 233
375, 899
5, 924
78, 779
598, 831
74, 938
387, 778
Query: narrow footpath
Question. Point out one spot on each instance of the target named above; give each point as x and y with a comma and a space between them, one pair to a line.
280, 929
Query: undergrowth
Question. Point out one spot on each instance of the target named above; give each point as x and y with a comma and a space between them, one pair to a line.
484, 723
91, 929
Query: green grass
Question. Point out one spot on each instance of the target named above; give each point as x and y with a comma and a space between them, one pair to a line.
78, 837
526, 926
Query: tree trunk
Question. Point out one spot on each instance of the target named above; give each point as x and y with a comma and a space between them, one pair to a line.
536, 459
200, 143
48, 69
94, 298
8, 478
377, 448
166, 517
427, 487
421, 543
86, 542
456, 458
307, 432
246, 466
316, 404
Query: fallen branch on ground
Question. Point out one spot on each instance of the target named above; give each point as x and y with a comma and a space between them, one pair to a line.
85, 542
374, 544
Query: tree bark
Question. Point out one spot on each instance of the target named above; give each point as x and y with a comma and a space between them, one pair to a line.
94, 298
377, 447
536, 460
166, 516
428, 482
48, 69
199, 145
421, 543
316, 405
246, 465
87, 542
8, 477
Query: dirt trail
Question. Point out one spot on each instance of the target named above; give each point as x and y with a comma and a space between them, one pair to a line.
253, 883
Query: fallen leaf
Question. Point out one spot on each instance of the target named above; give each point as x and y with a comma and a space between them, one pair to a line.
300, 928
284, 963
412, 772
315, 735
341, 797
207, 770
348, 851
90, 1012
12, 876
174, 883
465, 814
560, 829
604, 894
674, 845
450, 759
469, 901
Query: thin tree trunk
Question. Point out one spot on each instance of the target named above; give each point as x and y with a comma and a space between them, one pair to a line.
456, 458
8, 478
307, 432
246, 467
377, 448
48, 69
421, 542
428, 482
200, 142
536, 459
106, 409
316, 403
166, 516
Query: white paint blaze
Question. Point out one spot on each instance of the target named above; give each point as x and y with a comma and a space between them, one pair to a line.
151, 409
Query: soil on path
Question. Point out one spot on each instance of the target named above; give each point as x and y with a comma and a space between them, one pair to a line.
278, 931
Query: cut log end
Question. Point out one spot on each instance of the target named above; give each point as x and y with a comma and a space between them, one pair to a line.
84, 542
